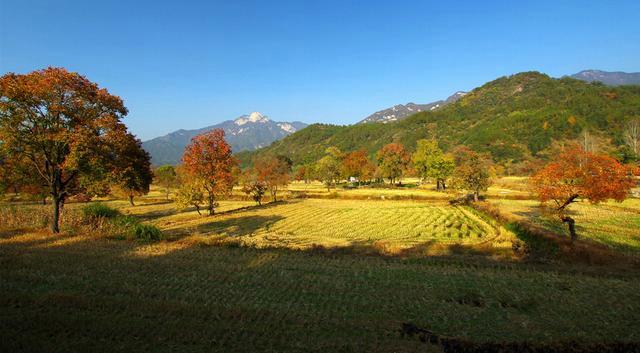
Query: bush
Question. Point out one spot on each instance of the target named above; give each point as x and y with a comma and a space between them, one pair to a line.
146, 232
98, 210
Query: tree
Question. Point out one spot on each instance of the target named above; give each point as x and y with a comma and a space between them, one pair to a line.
327, 169
355, 164
632, 136
441, 168
253, 186
166, 177
132, 173
392, 161
189, 194
472, 171
208, 159
273, 172
576, 174
430, 162
61, 124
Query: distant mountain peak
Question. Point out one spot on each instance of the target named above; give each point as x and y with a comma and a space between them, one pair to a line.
401, 111
610, 78
255, 117
246, 132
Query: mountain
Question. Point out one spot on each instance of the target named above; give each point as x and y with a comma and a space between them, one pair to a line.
401, 111
511, 117
247, 132
617, 78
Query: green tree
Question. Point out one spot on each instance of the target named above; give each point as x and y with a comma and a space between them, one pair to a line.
328, 167
166, 177
430, 162
132, 173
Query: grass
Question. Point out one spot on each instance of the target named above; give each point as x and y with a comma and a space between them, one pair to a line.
307, 275
85, 294
615, 224
383, 226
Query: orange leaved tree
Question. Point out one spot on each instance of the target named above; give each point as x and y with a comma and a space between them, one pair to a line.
355, 164
208, 161
274, 172
393, 161
577, 174
60, 124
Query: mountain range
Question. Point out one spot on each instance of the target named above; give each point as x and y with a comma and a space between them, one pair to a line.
247, 132
401, 111
616, 78
256, 131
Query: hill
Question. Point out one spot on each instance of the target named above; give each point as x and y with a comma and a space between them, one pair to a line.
511, 117
247, 132
401, 111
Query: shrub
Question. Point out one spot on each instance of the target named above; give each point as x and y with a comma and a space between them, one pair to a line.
146, 232
98, 210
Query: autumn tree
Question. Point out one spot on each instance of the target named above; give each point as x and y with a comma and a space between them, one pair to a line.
430, 162
578, 174
208, 159
132, 173
59, 123
472, 171
392, 161
166, 177
253, 185
355, 164
274, 172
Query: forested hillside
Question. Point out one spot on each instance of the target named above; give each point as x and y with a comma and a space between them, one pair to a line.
512, 117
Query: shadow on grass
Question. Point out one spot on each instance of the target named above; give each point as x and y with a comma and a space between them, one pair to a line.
239, 226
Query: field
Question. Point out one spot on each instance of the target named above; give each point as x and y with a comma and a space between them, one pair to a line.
85, 294
614, 224
330, 273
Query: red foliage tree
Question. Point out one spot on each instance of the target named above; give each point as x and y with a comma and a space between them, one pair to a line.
59, 122
208, 160
355, 164
274, 172
577, 174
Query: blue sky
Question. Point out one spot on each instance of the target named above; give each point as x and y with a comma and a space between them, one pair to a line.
189, 64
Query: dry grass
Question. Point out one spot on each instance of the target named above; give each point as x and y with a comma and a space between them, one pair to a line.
616, 225
78, 293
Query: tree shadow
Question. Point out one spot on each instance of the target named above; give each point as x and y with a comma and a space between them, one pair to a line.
231, 227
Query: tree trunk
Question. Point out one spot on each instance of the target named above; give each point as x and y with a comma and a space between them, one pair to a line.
571, 223
44, 200
131, 200
198, 209
211, 210
438, 184
55, 227
444, 186
475, 196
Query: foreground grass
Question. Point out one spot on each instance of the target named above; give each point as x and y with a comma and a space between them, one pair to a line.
87, 294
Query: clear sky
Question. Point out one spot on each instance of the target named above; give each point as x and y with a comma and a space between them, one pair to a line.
190, 64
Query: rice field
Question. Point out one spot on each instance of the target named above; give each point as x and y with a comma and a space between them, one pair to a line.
384, 226
84, 294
